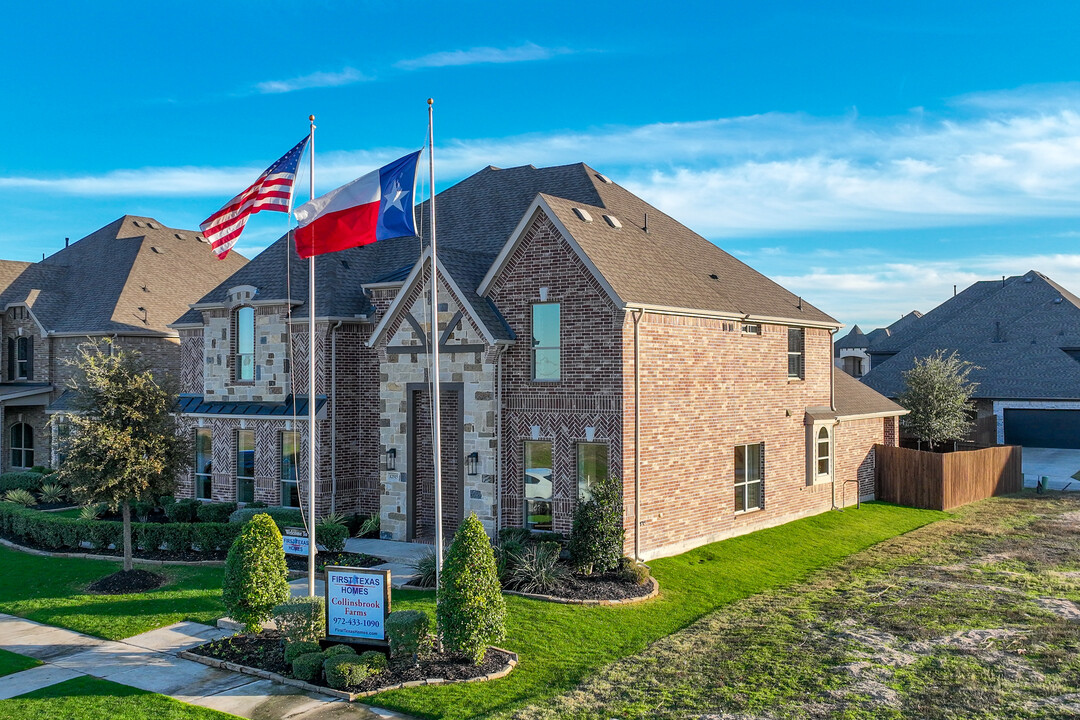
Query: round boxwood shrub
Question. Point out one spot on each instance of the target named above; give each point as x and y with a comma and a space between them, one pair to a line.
215, 512
407, 632
294, 650
344, 670
256, 577
308, 667
596, 539
301, 618
335, 650
471, 612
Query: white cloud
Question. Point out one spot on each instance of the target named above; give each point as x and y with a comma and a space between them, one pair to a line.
478, 55
345, 76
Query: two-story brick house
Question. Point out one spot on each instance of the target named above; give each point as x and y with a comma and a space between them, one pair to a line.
582, 333
125, 281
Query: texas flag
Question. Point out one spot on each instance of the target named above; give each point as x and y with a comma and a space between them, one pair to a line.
373, 207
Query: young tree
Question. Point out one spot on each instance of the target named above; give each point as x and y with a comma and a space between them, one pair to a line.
470, 609
938, 394
256, 576
123, 443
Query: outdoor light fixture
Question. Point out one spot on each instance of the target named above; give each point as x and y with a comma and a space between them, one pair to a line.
391, 459
472, 462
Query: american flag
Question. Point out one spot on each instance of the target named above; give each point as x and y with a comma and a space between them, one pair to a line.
272, 191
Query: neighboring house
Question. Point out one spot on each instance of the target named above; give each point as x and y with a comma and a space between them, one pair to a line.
583, 334
126, 281
851, 353
1023, 333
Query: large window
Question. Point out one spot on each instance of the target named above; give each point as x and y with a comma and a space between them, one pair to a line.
245, 466
22, 445
245, 344
538, 487
546, 341
204, 464
592, 467
824, 453
290, 469
748, 495
795, 350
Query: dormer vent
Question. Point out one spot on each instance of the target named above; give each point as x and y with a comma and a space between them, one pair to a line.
201, 239
583, 214
603, 178
613, 221
152, 226
158, 250
137, 223
180, 237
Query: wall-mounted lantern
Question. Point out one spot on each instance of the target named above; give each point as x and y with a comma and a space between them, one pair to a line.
391, 459
472, 463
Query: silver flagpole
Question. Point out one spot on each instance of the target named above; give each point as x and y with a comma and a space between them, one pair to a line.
311, 379
436, 440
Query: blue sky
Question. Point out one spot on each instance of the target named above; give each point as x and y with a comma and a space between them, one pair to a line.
868, 156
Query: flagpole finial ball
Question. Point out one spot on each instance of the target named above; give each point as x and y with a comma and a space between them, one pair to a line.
430, 101
311, 118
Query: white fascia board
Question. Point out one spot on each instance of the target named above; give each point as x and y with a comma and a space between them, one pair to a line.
390, 285
871, 416
740, 317
29, 392
103, 333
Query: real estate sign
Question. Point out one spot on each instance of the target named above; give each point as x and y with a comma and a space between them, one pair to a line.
357, 603
295, 541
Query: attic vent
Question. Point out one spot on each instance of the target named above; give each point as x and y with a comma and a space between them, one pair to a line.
345, 264
1057, 301
613, 221
152, 226
158, 250
583, 215
137, 223
714, 276
603, 178
201, 239
180, 237
1028, 279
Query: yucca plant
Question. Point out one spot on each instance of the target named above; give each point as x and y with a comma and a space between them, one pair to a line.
370, 526
425, 570
19, 496
90, 512
52, 493
536, 569
334, 518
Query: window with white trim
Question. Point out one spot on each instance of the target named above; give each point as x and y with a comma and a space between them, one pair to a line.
748, 474
546, 330
823, 453
22, 445
796, 347
244, 359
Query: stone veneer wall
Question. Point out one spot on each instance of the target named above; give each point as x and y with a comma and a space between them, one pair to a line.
474, 371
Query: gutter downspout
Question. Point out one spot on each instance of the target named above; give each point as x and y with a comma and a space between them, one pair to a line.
498, 439
637, 434
832, 406
333, 417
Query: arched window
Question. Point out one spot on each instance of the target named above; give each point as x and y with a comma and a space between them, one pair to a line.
244, 362
824, 452
22, 445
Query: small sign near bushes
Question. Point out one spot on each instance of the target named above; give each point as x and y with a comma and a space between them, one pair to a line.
357, 603
295, 541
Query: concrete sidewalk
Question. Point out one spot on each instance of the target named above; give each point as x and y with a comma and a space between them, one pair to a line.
400, 556
149, 662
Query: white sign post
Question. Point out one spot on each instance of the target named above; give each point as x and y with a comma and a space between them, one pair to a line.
295, 541
357, 603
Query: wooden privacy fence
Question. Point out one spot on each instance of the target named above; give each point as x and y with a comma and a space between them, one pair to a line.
943, 481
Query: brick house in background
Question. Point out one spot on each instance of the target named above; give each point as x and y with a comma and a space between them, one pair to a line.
583, 333
125, 281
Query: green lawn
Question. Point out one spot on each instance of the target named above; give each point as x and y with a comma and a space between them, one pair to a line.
13, 662
87, 698
559, 645
53, 591
69, 513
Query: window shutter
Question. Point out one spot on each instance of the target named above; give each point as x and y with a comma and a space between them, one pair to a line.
11, 359
30, 357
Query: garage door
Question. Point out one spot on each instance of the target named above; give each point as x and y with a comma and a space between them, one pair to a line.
1043, 428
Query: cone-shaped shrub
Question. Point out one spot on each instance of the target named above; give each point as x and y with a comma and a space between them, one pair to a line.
256, 578
471, 612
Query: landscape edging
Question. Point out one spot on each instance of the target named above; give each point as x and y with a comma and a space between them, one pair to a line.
114, 558
341, 694
571, 601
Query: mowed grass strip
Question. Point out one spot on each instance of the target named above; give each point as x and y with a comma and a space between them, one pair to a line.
13, 662
88, 698
559, 645
53, 591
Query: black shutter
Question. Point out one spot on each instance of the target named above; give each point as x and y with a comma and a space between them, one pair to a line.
30, 357
11, 359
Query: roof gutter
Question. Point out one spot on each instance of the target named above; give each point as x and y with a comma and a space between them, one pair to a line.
720, 315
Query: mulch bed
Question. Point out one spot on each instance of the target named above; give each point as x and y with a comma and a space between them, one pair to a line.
322, 559
126, 582
599, 586
183, 555
265, 651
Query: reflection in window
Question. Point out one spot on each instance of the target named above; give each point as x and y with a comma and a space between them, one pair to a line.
546, 341
204, 460
22, 445
245, 344
592, 467
747, 477
538, 486
290, 469
245, 466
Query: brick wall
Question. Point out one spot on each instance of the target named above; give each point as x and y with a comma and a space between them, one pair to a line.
855, 462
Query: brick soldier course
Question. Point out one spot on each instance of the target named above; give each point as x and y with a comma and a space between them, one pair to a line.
738, 394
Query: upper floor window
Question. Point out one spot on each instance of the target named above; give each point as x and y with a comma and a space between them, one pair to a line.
20, 358
22, 445
545, 341
796, 342
751, 329
245, 344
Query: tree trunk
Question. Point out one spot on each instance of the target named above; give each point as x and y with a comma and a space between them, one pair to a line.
127, 536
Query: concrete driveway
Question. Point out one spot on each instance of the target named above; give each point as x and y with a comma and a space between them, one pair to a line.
1058, 466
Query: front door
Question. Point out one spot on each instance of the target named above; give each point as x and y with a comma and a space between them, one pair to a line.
421, 479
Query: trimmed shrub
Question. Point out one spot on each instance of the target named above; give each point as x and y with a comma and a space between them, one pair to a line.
20, 481
211, 537
142, 509
536, 569
301, 619
294, 650
308, 667
331, 536
407, 631
335, 650
20, 497
156, 536
471, 611
183, 511
282, 516
632, 571
374, 660
596, 539
42, 470
255, 505
425, 570
256, 578
215, 512
345, 670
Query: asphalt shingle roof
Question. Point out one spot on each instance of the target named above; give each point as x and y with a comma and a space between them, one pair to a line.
1016, 331
851, 397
